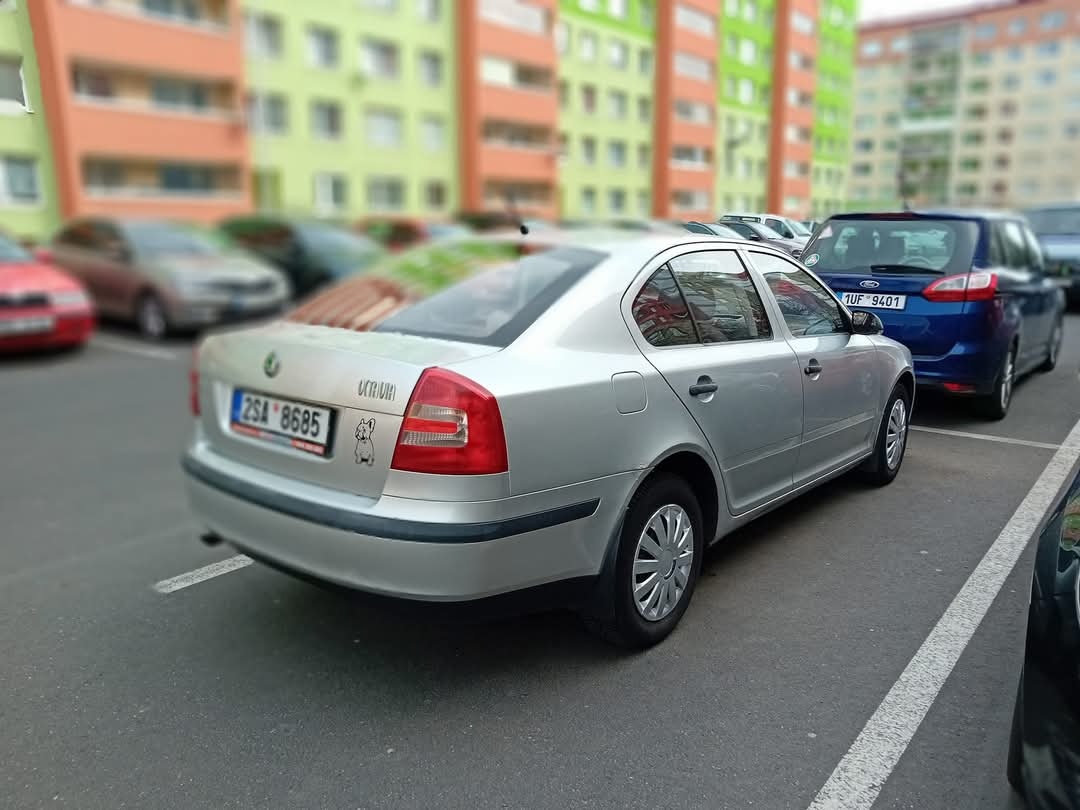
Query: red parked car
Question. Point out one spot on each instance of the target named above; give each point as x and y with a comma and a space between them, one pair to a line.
41, 307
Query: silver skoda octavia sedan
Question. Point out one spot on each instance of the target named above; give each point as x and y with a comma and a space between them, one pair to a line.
585, 410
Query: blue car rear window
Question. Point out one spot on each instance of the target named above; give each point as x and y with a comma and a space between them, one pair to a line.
932, 246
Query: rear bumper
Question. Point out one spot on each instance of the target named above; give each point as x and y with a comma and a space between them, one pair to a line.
536, 540
975, 365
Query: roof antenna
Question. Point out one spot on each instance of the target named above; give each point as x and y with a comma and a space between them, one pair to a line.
514, 214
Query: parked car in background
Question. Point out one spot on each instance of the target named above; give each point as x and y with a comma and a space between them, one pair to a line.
164, 276
1044, 746
713, 229
1058, 230
41, 307
644, 226
756, 232
399, 233
965, 291
310, 252
484, 446
811, 224
785, 226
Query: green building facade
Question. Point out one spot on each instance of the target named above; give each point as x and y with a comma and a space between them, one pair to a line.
352, 106
833, 107
29, 208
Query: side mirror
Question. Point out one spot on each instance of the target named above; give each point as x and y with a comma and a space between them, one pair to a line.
43, 255
796, 253
866, 323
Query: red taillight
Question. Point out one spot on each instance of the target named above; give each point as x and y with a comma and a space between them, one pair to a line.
958, 388
976, 286
452, 426
193, 385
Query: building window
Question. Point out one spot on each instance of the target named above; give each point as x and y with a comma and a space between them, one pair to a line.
731, 8
185, 179
177, 94
691, 157
263, 35
587, 47
330, 192
431, 68
1017, 26
588, 150
617, 104
748, 52
692, 67
643, 199
644, 109
20, 186
562, 37
618, 54
1051, 48
268, 113
379, 59
616, 201
645, 62
383, 127
322, 47
684, 200
183, 10
435, 195
802, 23
326, 120
871, 48
516, 15
564, 94
588, 98
694, 20
900, 44
588, 200
749, 11
985, 31
589, 5
380, 5
694, 112
617, 154
643, 155
266, 189
1052, 20
617, 9
746, 91
429, 10
385, 194
1046, 78
1015, 53
433, 133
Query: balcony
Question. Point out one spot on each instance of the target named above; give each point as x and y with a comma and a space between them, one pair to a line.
523, 103
505, 161
207, 46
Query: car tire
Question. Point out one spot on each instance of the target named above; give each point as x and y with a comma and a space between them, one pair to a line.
1054, 349
643, 583
1014, 765
891, 445
996, 404
150, 317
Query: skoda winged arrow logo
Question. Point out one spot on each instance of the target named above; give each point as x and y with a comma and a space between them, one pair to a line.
271, 365
869, 284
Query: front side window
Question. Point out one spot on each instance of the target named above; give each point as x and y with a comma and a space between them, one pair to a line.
807, 306
661, 313
721, 297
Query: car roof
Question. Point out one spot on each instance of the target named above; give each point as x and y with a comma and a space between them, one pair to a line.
932, 213
756, 214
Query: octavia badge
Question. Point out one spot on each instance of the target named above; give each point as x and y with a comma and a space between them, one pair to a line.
271, 365
869, 284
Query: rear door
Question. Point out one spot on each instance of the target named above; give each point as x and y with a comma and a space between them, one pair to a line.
1023, 280
841, 389
710, 336
886, 264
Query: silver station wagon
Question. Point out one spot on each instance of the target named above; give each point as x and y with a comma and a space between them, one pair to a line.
575, 413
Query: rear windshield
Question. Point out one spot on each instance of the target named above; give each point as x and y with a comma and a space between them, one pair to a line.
935, 246
1056, 221
495, 305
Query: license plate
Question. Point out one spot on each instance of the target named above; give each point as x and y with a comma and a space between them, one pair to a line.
281, 421
27, 326
874, 300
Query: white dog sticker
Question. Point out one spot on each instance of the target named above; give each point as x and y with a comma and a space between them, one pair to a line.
365, 448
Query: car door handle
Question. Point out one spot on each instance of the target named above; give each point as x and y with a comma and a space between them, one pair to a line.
704, 385
812, 368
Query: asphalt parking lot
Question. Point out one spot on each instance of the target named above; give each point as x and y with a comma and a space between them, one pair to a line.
251, 689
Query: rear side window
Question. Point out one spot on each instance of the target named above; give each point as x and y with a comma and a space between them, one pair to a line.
494, 306
661, 313
722, 299
780, 227
932, 246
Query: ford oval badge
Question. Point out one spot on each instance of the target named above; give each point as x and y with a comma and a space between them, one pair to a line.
869, 284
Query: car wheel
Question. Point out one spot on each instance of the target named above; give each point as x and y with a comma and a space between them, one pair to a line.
150, 317
881, 468
1014, 766
657, 565
1054, 349
996, 404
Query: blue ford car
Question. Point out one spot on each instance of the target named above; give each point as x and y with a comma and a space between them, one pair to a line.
965, 291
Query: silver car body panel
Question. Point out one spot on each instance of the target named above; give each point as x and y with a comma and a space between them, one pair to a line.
589, 409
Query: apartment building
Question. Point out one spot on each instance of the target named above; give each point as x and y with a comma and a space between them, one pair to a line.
28, 205
980, 108
144, 106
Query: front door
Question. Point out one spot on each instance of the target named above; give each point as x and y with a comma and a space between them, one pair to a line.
711, 338
841, 389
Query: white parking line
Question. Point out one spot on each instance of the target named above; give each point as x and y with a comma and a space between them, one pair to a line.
986, 437
202, 574
861, 773
129, 347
